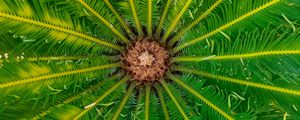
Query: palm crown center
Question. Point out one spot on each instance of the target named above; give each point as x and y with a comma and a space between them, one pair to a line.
146, 60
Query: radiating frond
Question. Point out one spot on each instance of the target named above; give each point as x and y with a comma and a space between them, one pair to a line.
74, 97
147, 102
268, 92
56, 58
242, 82
236, 56
29, 80
227, 25
203, 15
258, 51
174, 100
162, 19
175, 21
51, 25
149, 26
124, 100
87, 109
135, 17
139, 109
125, 26
201, 97
109, 25
55, 75
162, 102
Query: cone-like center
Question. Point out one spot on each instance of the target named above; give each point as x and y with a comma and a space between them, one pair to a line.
146, 60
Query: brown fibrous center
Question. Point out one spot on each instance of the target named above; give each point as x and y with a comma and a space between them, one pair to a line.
146, 60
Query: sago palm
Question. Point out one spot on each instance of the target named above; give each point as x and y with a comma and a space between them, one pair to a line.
150, 59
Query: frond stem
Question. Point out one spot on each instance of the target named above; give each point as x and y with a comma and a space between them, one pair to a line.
163, 83
75, 97
113, 88
238, 81
56, 75
257, 54
201, 97
205, 14
136, 19
235, 56
147, 101
163, 103
124, 100
233, 22
57, 58
191, 59
61, 29
175, 22
125, 26
149, 28
162, 19
109, 25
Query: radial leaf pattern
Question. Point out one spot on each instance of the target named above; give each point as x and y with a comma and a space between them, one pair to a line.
150, 59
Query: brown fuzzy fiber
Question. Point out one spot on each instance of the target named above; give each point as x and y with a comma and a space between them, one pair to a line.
145, 60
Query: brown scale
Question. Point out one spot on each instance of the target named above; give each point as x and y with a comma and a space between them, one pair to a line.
145, 60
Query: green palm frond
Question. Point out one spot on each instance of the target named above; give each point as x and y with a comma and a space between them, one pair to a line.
125, 26
74, 97
196, 21
53, 26
175, 101
150, 59
175, 21
201, 97
109, 25
162, 18
124, 100
162, 102
88, 108
269, 45
237, 17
